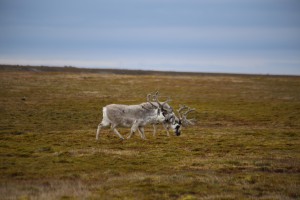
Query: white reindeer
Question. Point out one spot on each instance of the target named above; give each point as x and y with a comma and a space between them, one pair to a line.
134, 116
176, 122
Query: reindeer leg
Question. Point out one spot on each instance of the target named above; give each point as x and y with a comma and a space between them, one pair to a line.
117, 132
141, 131
133, 129
166, 127
154, 130
131, 133
98, 131
102, 124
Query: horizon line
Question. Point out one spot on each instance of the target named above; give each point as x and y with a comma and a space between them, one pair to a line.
143, 70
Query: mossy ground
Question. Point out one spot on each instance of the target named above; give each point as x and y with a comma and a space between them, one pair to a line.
245, 145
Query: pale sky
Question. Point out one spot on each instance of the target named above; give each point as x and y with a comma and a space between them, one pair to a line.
232, 36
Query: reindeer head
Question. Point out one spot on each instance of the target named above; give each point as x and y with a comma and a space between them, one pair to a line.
175, 124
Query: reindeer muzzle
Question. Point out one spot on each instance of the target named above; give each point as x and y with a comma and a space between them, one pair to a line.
177, 130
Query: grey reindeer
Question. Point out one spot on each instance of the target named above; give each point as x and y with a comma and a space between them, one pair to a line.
134, 116
176, 122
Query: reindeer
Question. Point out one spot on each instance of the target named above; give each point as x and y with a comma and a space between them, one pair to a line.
169, 116
134, 116
171, 119
174, 122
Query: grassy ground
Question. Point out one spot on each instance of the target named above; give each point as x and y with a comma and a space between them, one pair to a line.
246, 144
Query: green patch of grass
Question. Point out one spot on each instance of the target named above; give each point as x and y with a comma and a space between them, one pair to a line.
245, 144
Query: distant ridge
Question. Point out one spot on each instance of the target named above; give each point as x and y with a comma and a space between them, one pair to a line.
90, 70
72, 69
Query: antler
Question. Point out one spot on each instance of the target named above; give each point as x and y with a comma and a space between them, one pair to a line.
155, 98
181, 108
183, 116
188, 111
149, 101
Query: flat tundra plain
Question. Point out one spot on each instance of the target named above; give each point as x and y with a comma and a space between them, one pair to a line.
245, 144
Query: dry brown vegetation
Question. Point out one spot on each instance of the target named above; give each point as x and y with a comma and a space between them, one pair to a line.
245, 145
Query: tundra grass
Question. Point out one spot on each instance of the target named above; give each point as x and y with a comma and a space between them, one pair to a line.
245, 145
